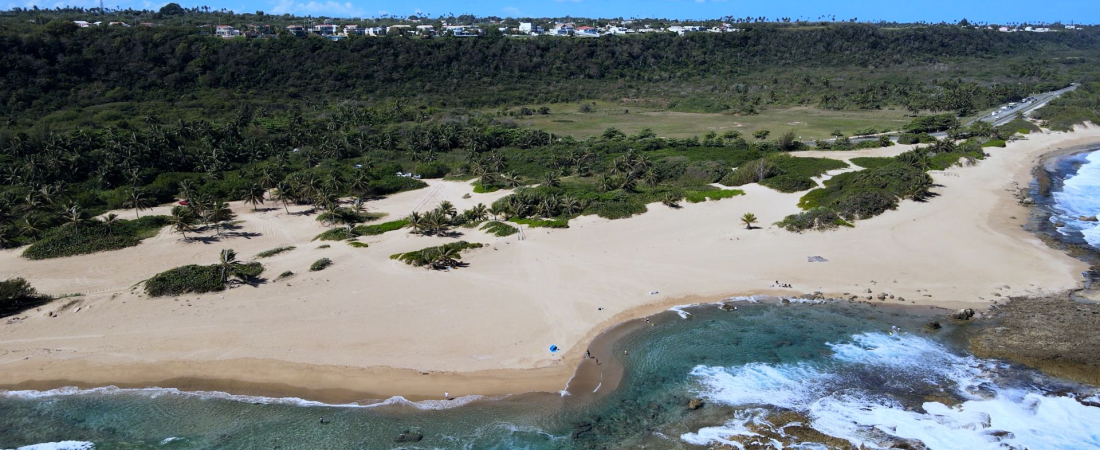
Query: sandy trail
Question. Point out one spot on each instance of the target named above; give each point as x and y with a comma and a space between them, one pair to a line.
372, 325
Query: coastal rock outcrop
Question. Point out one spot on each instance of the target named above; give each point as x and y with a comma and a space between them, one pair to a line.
1089, 219
408, 437
695, 403
963, 314
1055, 334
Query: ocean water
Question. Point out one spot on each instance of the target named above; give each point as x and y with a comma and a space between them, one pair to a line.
858, 374
1079, 196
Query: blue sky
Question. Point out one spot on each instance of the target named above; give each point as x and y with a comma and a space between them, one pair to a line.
1077, 11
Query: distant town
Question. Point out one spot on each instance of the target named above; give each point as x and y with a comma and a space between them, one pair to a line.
337, 31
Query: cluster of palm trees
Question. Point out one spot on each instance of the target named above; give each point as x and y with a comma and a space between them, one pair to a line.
439, 221
627, 171
198, 209
538, 202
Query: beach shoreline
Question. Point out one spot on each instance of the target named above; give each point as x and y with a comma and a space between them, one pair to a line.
228, 359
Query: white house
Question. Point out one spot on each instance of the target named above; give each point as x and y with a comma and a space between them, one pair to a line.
354, 30
586, 32
226, 31
562, 29
425, 30
326, 29
83, 24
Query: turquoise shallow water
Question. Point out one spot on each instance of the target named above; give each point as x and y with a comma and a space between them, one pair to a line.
844, 367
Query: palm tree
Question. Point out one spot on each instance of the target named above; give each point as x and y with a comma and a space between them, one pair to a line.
74, 215
136, 200
254, 195
109, 221
187, 189
552, 180
416, 221
228, 264
219, 212
511, 179
748, 219
448, 208
267, 178
282, 195
672, 200
182, 220
447, 256
479, 212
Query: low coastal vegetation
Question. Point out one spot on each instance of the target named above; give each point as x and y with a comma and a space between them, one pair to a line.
320, 264
866, 193
385, 227
275, 251
499, 229
84, 236
717, 194
782, 172
197, 279
445, 256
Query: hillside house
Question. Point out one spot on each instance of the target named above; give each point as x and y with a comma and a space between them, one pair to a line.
296, 30
226, 31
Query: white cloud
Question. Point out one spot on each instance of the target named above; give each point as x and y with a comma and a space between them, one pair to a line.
512, 11
329, 8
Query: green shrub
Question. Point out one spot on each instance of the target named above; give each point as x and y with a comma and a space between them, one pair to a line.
17, 295
789, 183
499, 229
94, 237
374, 230
814, 219
335, 234
358, 244
994, 143
15, 289
931, 124
186, 279
323, 246
429, 255
541, 223
275, 251
717, 194
197, 279
609, 210
284, 275
320, 264
432, 170
483, 189
870, 162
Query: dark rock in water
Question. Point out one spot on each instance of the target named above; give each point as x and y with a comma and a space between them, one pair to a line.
933, 325
1059, 224
695, 403
581, 429
408, 436
1089, 219
963, 314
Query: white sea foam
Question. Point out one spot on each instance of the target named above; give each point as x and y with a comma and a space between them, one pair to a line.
743, 298
154, 392
680, 309
999, 418
1080, 196
63, 445
169, 440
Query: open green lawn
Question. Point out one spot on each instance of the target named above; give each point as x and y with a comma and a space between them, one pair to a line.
807, 122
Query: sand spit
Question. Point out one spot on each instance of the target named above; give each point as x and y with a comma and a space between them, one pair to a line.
370, 327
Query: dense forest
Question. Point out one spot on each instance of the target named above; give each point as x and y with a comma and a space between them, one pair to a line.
105, 118
839, 66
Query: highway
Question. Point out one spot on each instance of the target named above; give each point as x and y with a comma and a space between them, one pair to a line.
1003, 116
1006, 115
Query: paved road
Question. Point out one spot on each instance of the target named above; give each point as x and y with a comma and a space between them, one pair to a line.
1007, 115
1004, 116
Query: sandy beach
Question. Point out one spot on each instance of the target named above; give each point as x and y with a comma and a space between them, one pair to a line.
370, 327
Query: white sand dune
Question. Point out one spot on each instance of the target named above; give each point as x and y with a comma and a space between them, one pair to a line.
369, 324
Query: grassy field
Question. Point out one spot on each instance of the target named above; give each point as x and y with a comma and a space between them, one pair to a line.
807, 122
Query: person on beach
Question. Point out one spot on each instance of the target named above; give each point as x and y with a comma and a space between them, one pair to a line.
588, 353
